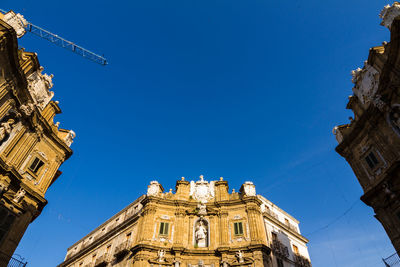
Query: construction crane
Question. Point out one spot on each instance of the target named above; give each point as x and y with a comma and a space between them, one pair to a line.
18, 22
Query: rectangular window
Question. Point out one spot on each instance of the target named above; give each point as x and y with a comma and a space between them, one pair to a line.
36, 165
238, 227
164, 228
371, 160
279, 262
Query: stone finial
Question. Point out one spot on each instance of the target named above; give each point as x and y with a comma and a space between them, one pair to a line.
201, 178
249, 189
70, 137
389, 13
182, 178
154, 188
17, 21
221, 178
338, 134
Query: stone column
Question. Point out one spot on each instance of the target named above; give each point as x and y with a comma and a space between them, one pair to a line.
255, 223
145, 232
223, 235
180, 228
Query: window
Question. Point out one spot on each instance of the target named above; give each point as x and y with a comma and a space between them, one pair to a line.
371, 160
279, 262
164, 228
36, 165
238, 227
295, 249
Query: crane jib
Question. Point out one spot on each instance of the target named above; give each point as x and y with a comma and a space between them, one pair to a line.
57, 40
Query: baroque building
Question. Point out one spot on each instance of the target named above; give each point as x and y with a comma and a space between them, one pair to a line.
32, 146
201, 224
371, 141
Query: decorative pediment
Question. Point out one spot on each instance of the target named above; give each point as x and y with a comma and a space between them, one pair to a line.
366, 81
389, 14
17, 21
202, 190
39, 86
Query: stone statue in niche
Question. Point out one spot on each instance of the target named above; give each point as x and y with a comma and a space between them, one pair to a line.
201, 233
6, 128
19, 195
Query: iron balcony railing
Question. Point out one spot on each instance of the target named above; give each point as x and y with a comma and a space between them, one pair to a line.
11, 262
301, 261
392, 261
280, 249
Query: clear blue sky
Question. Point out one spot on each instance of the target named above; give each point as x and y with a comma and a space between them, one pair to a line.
247, 90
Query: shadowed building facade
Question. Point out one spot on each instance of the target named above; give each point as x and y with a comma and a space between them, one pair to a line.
200, 224
32, 146
371, 141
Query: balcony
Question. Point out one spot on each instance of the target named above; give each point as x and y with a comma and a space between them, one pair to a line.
301, 261
101, 260
280, 249
271, 214
121, 249
292, 227
11, 261
392, 261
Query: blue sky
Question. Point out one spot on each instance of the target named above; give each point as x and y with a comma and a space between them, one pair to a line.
247, 90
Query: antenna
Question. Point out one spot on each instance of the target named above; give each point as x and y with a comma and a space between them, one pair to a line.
51, 37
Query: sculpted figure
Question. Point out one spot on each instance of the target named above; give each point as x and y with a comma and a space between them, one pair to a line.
3, 189
239, 255
19, 195
202, 209
6, 128
161, 254
201, 234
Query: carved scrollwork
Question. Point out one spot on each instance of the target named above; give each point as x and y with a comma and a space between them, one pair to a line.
39, 86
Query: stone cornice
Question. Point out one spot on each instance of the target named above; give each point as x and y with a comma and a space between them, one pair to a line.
101, 240
284, 226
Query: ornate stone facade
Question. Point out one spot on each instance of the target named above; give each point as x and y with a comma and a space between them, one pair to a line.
32, 148
200, 224
371, 141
